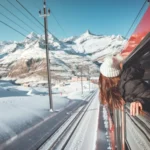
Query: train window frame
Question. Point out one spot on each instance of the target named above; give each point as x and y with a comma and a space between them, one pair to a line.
140, 50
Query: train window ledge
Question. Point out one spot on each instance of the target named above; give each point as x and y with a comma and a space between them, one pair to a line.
142, 120
138, 130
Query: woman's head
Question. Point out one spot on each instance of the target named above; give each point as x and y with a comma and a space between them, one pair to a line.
108, 82
110, 67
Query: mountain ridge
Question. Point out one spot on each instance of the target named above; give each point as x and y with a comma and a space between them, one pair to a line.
65, 55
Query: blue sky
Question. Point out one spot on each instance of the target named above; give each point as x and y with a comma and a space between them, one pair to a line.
105, 17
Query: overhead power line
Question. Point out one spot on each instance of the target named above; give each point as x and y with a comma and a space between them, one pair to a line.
133, 23
13, 28
14, 22
136, 18
35, 4
30, 14
23, 13
59, 24
17, 17
54, 19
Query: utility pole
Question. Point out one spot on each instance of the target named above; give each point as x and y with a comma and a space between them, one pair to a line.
47, 53
89, 78
82, 79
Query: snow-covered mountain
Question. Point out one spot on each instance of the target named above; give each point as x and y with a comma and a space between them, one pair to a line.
25, 61
97, 46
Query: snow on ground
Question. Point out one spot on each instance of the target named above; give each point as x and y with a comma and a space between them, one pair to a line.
74, 90
24, 54
21, 106
78, 95
25, 108
7, 48
85, 135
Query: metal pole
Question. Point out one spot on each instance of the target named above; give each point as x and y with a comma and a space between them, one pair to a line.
89, 78
123, 127
47, 57
116, 125
117, 130
81, 80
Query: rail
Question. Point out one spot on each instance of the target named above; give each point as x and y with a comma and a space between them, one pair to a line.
56, 141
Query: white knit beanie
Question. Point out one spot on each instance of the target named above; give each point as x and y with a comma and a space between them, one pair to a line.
111, 66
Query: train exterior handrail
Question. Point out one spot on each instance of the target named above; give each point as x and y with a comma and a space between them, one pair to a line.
131, 133
117, 128
138, 130
111, 129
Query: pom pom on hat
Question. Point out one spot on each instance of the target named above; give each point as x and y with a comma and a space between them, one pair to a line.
111, 66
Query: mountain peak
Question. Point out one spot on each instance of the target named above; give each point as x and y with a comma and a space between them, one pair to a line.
32, 35
119, 37
88, 33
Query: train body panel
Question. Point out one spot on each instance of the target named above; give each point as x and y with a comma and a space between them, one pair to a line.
135, 131
138, 35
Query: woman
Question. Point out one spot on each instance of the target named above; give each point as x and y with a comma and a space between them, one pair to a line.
116, 88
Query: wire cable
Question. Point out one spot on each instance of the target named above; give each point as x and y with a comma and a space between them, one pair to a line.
22, 13
35, 4
136, 18
133, 24
58, 23
31, 14
54, 19
14, 22
13, 29
17, 17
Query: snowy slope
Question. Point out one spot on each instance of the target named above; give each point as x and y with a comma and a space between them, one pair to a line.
85, 136
22, 109
26, 60
98, 46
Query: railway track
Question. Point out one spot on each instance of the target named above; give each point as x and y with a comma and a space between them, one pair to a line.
61, 137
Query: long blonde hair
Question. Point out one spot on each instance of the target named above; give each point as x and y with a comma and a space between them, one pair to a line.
109, 92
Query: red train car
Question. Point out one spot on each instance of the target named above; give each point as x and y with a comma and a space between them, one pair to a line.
139, 34
133, 133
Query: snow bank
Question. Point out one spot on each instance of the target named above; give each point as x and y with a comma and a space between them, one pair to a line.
78, 95
23, 107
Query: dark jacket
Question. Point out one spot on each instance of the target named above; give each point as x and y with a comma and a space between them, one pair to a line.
133, 88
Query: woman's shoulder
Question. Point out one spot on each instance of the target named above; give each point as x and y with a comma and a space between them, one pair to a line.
132, 72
